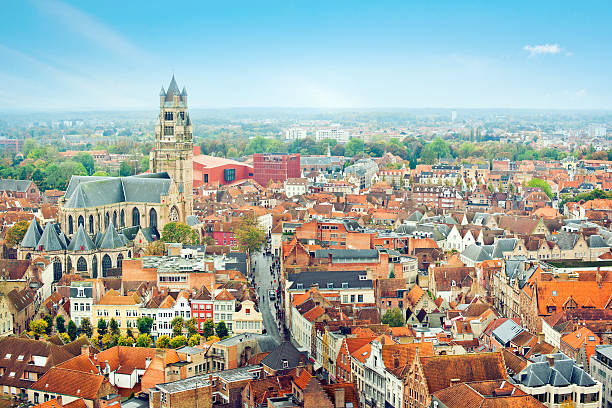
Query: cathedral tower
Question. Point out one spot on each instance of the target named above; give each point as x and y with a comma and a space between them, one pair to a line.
173, 152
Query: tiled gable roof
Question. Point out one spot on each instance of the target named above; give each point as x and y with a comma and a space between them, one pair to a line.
440, 370
70, 382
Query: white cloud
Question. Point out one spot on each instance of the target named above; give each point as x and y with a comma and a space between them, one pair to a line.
542, 49
89, 27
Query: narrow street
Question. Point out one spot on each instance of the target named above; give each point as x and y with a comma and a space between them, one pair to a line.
264, 281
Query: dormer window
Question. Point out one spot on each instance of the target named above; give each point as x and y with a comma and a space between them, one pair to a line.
299, 286
81, 292
345, 285
330, 285
285, 364
363, 277
8, 355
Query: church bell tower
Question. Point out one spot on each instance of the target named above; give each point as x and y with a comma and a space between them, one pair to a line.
173, 151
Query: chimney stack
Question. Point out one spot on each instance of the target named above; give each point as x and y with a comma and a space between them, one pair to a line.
85, 350
551, 360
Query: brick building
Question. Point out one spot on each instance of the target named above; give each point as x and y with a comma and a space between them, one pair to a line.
275, 167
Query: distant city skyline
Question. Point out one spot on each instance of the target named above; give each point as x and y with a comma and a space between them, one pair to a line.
69, 55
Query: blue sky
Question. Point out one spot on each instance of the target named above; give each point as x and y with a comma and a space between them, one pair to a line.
450, 54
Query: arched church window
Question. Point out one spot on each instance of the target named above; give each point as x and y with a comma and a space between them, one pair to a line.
153, 218
135, 217
81, 264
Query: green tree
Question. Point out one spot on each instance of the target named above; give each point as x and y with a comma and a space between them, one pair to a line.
163, 341
353, 147
72, 330
114, 327
178, 341
232, 152
125, 169
437, 149
209, 328
144, 324
192, 326
87, 161
144, 340
542, 184
38, 327
155, 248
221, 330
125, 341
49, 319
60, 324
394, 318
177, 325
102, 327
179, 233
15, 234
144, 164
250, 235
86, 327
100, 173
194, 340
65, 338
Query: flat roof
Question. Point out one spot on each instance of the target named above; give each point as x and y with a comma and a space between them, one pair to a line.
213, 161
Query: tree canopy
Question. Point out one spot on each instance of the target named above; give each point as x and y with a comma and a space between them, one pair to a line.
250, 235
394, 318
177, 232
15, 234
542, 184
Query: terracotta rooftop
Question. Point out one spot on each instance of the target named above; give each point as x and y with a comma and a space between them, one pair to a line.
440, 370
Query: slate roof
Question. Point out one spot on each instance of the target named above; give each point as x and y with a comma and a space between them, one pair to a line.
476, 253
81, 240
93, 191
15, 185
50, 240
286, 351
335, 278
561, 373
506, 332
565, 240
112, 239
32, 235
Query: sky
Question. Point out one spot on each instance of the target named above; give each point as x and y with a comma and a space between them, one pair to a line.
116, 55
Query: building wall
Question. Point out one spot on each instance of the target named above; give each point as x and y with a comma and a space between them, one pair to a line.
203, 174
275, 167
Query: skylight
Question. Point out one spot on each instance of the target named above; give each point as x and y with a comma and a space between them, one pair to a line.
8, 355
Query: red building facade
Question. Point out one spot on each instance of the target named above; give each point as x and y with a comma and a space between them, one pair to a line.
210, 169
276, 167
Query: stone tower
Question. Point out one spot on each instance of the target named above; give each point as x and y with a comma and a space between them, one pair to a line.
173, 152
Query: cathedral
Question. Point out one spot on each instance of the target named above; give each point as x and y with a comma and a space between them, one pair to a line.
103, 220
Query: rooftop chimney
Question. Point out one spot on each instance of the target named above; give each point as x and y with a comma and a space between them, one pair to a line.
85, 349
551, 360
